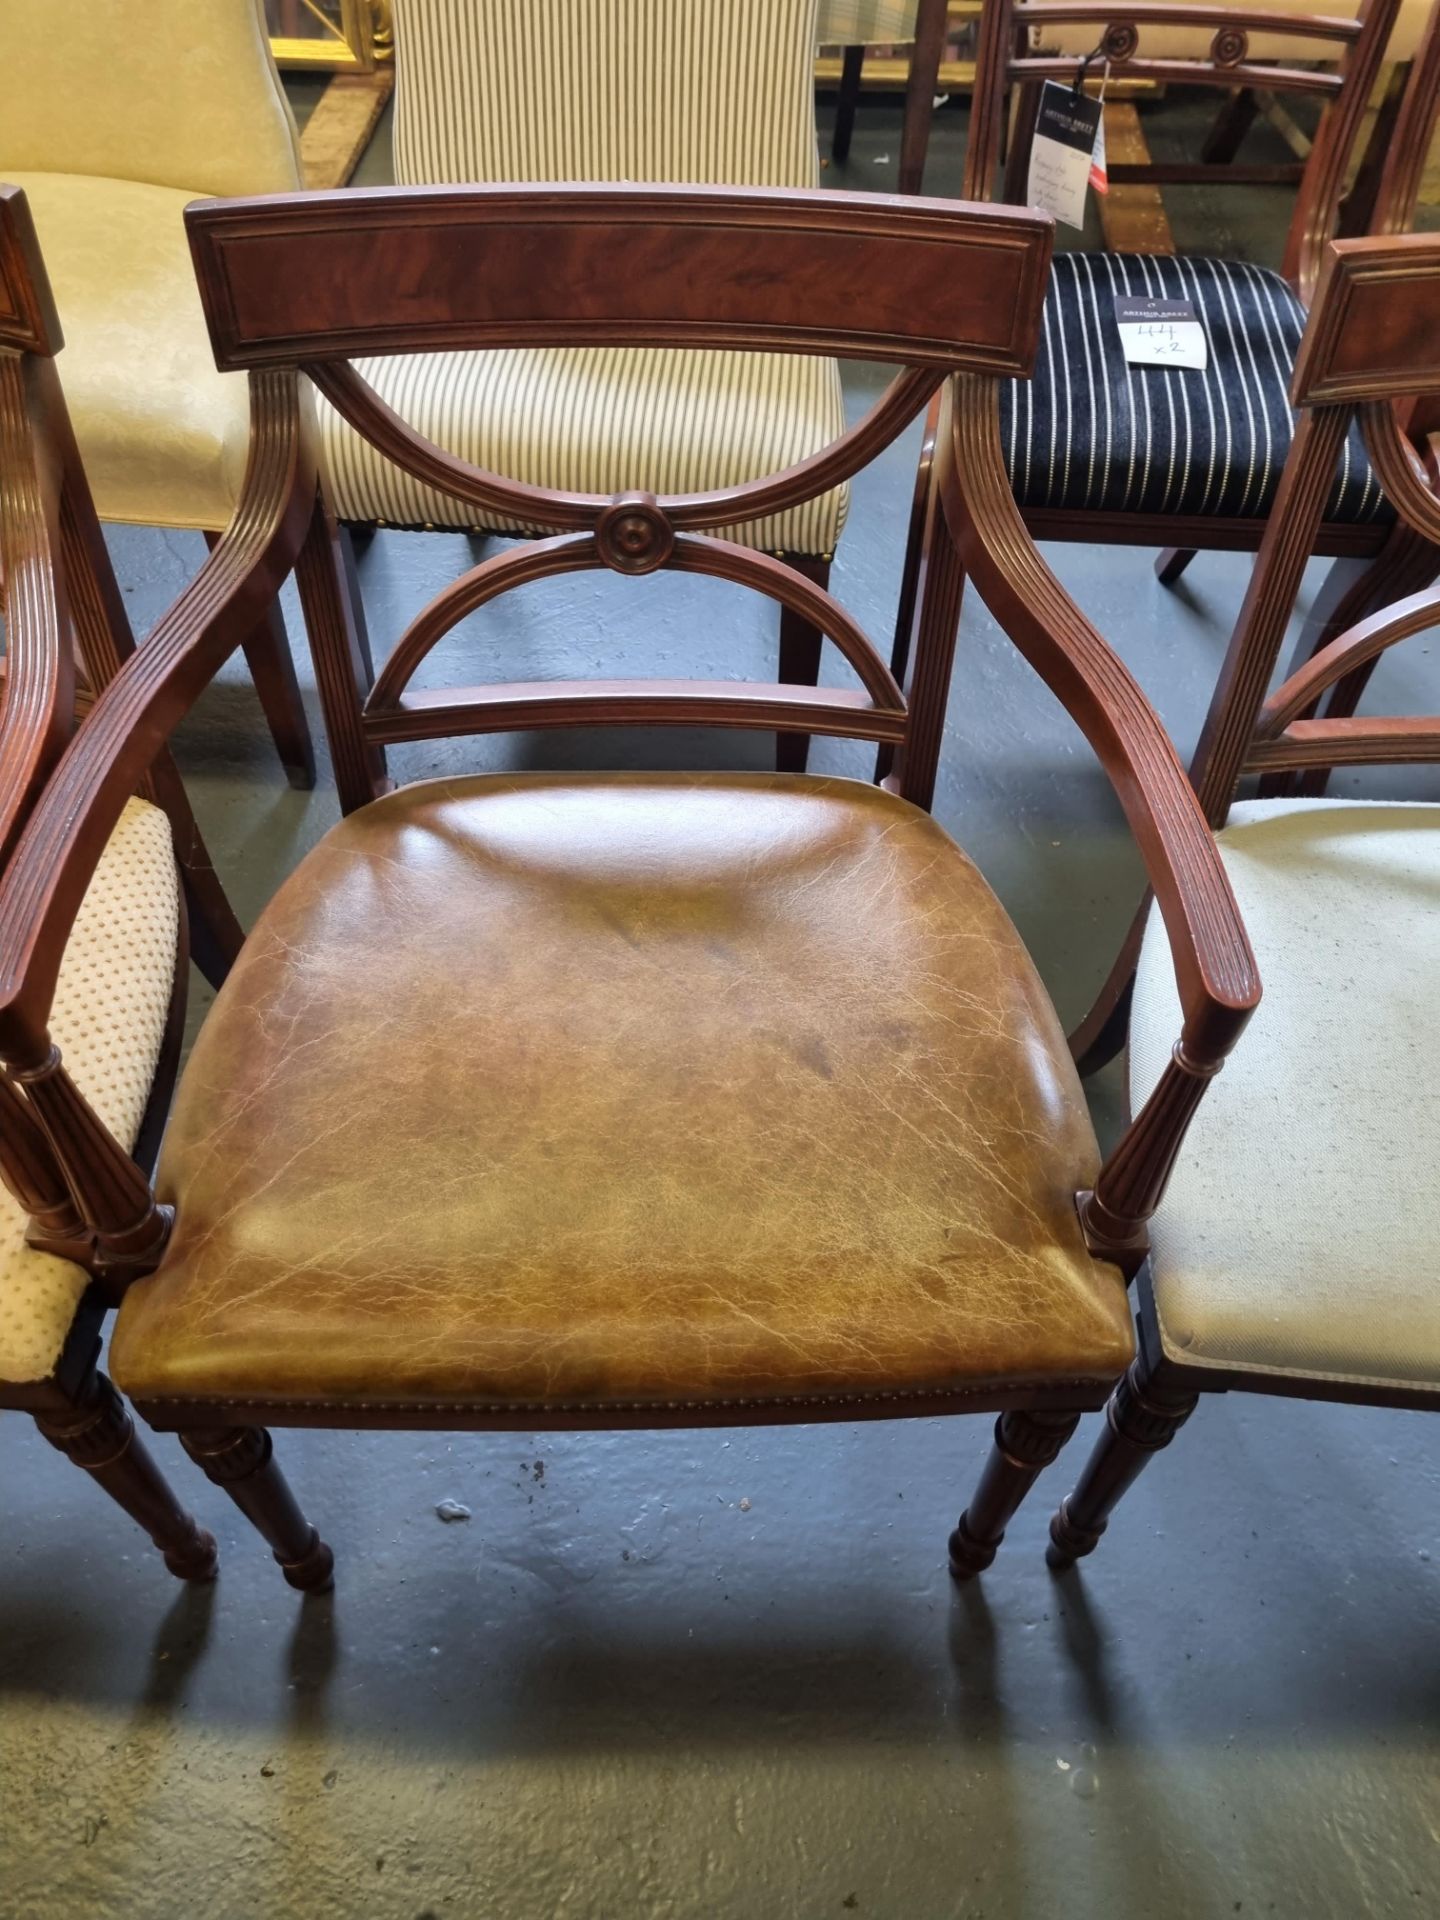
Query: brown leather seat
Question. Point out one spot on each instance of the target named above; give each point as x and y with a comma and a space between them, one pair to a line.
590, 1090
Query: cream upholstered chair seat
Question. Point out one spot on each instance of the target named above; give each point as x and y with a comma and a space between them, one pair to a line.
1301, 1230
599, 420
164, 436
109, 1022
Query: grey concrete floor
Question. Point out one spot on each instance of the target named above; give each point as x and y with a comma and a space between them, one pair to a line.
725, 1674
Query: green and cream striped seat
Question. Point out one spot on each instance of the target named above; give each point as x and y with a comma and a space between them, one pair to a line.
716, 93
865, 23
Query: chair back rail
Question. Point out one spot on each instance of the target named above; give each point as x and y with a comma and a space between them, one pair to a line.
937, 288
1357, 46
1365, 641
1176, 13
314, 277
353, 396
1369, 348
688, 553
1376, 334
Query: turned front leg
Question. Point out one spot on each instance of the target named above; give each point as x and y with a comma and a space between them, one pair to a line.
242, 1461
1025, 1444
1144, 1414
99, 1434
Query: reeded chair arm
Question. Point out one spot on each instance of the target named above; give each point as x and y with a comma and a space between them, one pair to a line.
1214, 966
38, 674
59, 848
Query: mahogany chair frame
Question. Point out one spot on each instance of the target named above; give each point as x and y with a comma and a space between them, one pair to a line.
67, 638
1353, 592
1373, 341
302, 283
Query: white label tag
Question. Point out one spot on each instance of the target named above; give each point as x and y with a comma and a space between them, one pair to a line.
1061, 152
1159, 333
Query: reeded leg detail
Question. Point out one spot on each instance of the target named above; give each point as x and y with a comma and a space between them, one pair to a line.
1144, 1414
101, 1438
241, 1460
1025, 1444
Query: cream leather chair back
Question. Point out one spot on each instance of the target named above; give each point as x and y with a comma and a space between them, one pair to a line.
174, 93
113, 116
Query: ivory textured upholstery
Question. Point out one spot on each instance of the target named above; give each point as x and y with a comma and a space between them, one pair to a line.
164, 436
110, 140
1090, 431
865, 23
83, 89
556, 1091
1301, 1230
720, 93
109, 1023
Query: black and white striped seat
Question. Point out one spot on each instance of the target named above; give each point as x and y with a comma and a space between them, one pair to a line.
1089, 432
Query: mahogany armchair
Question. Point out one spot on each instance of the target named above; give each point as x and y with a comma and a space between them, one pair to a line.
1104, 453
623, 1100
1295, 1252
120, 990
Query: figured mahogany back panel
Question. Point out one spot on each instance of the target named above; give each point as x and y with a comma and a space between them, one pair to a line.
1354, 48
1372, 343
417, 269
312, 281
28, 320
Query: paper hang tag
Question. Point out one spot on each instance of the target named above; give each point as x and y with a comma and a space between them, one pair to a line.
1099, 178
1159, 333
1061, 152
